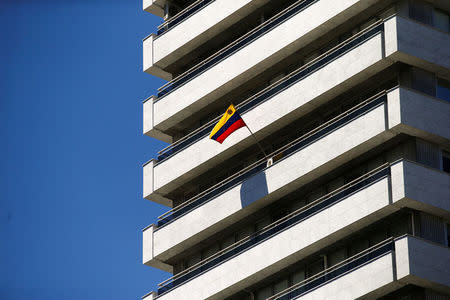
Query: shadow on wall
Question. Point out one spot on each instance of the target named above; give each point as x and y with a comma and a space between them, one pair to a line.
253, 189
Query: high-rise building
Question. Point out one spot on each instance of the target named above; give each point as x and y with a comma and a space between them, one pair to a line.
350, 101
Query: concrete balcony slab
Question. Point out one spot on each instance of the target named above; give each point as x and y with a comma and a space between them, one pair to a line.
171, 44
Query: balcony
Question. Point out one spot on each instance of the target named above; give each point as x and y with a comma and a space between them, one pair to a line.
311, 228
378, 271
189, 29
334, 72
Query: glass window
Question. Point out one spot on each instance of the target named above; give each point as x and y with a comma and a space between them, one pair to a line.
358, 246
196, 258
423, 81
298, 276
280, 286
368, 24
431, 228
448, 235
335, 184
446, 162
421, 11
427, 154
264, 293
276, 215
316, 194
263, 223
210, 251
441, 20
297, 204
443, 89
314, 268
337, 256
401, 226
178, 267
377, 237
311, 57
228, 241
246, 232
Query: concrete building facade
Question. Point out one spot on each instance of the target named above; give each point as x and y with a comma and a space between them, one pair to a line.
350, 100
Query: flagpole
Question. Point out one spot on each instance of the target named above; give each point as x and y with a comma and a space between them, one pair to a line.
251, 133
260, 147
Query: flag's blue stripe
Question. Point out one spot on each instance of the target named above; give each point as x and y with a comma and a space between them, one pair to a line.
235, 117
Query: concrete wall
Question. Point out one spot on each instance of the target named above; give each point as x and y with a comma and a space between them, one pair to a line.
359, 282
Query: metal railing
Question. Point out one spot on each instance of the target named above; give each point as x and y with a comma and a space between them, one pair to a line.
337, 270
277, 227
260, 165
182, 15
274, 88
233, 47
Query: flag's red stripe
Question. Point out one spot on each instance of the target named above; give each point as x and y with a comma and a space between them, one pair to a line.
235, 126
234, 118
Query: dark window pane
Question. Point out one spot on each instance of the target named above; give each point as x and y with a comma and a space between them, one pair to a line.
263, 293
448, 235
443, 89
446, 162
314, 268
441, 20
421, 11
423, 81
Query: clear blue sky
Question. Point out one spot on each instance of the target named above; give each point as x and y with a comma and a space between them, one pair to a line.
72, 149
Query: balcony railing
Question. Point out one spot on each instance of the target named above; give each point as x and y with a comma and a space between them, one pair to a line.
337, 270
283, 152
182, 15
276, 227
233, 47
275, 88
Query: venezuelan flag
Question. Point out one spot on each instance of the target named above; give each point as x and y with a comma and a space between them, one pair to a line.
230, 122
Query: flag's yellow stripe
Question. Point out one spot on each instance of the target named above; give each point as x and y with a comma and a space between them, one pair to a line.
228, 114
